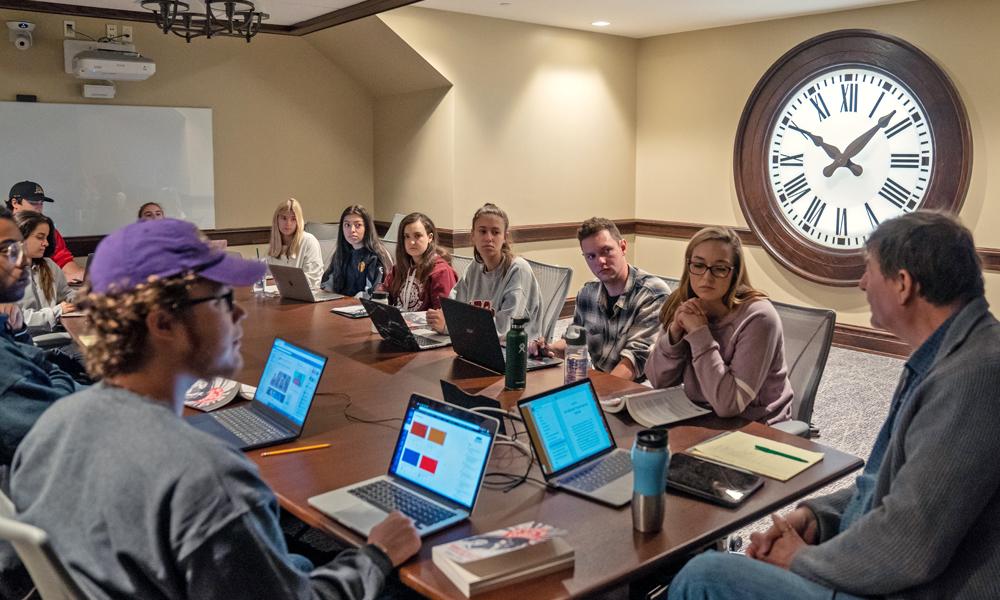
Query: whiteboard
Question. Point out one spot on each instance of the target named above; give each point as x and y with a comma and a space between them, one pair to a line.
100, 163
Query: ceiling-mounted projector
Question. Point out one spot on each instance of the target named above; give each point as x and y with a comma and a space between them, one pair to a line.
120, 62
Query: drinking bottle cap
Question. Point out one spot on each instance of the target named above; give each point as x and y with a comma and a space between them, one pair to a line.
575, 335
380, 295
651, 438
520, 321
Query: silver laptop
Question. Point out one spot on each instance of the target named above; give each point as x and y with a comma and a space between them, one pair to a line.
278, 411
474, 334
391, 325
292, 283
434, 477
574, 445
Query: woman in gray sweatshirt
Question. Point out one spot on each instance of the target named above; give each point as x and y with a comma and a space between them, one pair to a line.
499, 281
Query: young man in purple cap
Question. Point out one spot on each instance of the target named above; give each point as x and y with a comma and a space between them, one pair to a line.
28, 195
139, 504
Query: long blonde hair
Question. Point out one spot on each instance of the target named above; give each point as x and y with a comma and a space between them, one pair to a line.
506, 250
277, 249
739, 291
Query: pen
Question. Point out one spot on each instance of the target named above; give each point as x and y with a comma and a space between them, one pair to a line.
290, 450
776, 453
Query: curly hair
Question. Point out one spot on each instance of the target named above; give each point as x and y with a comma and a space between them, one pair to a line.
116, 321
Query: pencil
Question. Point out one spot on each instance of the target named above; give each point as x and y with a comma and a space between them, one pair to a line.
290, 450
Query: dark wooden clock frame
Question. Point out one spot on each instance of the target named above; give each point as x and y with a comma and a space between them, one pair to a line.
949, 125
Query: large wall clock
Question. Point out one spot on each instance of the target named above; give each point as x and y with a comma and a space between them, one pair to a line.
844, 131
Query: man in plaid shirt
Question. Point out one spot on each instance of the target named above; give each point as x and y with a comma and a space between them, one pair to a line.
620, 311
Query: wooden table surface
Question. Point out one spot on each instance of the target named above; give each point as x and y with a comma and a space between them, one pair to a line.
370, 379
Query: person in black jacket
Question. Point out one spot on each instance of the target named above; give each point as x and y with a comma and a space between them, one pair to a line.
360, 261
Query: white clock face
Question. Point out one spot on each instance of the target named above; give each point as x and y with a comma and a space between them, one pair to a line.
849, 149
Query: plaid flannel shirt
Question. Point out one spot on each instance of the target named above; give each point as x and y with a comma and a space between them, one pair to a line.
631, 329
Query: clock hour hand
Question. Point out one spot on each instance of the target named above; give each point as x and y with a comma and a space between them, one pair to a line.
831, 150
856, 146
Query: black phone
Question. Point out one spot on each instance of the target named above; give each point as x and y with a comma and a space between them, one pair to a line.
711, 481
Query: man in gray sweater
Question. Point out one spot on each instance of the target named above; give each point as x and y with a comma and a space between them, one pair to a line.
920, 520
138, 503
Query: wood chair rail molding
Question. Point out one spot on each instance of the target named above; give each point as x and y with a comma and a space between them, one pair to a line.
847, 336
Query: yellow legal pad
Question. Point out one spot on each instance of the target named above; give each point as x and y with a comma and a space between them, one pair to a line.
740, 450
87, 339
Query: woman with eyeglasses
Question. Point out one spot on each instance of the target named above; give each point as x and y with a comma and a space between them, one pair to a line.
721, 337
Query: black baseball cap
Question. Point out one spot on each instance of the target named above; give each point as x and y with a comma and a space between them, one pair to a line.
30, 191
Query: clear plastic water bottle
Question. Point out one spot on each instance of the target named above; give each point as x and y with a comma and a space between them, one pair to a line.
516, 369
577, 361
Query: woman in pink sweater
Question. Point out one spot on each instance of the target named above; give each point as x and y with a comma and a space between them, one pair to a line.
422, 274
722, 338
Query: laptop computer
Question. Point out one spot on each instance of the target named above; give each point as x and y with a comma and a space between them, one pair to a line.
474, 335
393, 327
280, 405
574, 445
434, 476
292, 283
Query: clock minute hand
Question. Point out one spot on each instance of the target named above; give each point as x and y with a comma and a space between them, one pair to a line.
857, 146
831, 150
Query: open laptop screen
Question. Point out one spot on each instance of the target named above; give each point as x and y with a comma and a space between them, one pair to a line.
289, 380
443, 453
568, 425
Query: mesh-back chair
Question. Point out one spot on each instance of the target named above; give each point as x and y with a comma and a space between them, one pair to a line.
554, 284
672, 283
51, 579
808, 334
390, 234
461, 264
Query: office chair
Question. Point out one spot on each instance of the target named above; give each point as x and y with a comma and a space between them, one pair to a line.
554, 283
808, 334
672, 283
327, 234
461, 264
51, 579
390, 234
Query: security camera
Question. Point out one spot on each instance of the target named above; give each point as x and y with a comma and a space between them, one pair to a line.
20, 33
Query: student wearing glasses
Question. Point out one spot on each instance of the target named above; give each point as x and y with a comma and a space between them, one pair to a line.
28, 195
721, 337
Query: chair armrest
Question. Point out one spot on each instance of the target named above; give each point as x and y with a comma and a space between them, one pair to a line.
799, 428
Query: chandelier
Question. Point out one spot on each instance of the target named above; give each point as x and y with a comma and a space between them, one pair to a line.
229, 18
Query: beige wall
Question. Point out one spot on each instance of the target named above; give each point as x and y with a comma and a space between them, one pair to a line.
544, 118
691, 91
286, 120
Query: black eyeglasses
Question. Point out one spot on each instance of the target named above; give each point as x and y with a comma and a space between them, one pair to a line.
228, 297
13, 251
718, 271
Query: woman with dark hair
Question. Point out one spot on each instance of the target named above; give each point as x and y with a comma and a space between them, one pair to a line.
422, 274
360, 261
151, 211
500, 280
721, 337
48, 295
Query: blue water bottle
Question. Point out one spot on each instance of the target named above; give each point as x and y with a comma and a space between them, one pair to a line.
650, 458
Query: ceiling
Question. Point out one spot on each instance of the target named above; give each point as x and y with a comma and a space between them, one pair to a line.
632, 18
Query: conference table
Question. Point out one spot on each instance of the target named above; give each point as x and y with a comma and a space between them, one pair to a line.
358, 408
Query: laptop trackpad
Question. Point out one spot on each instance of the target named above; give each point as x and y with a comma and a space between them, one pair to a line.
360, 516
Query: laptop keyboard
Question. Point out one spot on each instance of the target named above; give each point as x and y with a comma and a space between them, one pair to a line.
248, 425
390, 497
601, 473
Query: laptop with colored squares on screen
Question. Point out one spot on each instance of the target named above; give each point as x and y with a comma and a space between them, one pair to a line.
434, 477
278, 411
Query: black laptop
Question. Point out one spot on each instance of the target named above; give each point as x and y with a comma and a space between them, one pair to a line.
474, 335
280, 404
391, 325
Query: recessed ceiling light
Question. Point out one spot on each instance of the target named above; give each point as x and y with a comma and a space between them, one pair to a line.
601, 23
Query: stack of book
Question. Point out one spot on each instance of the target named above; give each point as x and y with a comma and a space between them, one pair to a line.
491, 560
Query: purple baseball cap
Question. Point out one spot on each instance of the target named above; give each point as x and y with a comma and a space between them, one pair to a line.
164, 248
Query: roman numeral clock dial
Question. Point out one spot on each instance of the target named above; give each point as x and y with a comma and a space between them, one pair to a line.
851, 148
845, 131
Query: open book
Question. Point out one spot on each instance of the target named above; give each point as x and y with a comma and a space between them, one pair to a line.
656, 407
490, 560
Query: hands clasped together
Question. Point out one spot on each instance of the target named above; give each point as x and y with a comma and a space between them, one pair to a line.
690, 316
779, 544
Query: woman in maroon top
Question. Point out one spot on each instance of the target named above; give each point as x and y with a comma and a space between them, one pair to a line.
422, 273
721, 337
